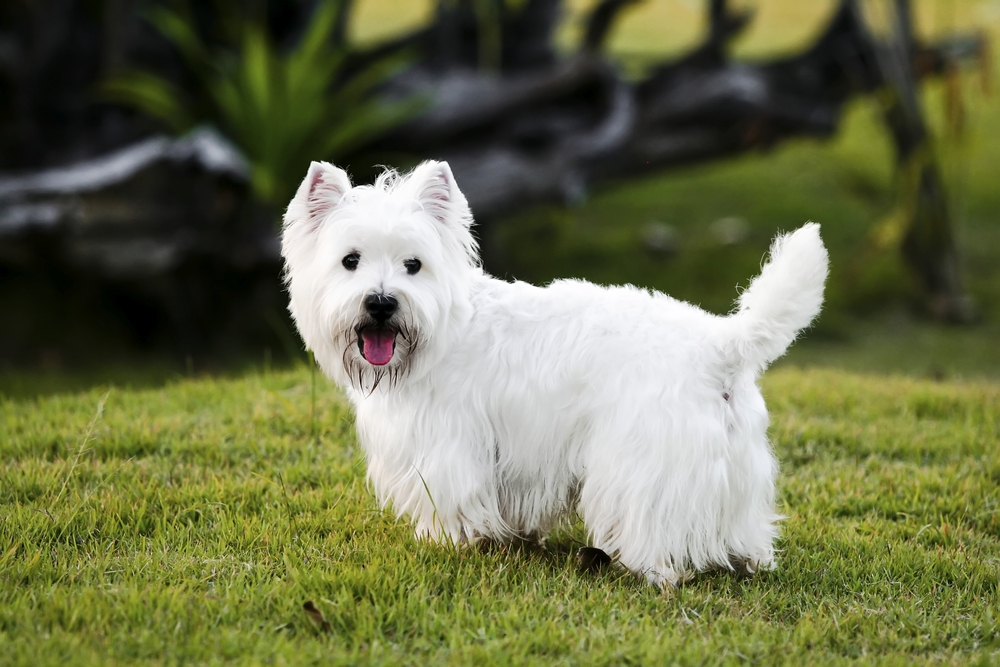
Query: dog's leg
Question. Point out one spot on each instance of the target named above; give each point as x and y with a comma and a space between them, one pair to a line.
751, 540
750, 525
636, 551
452, 498
668, 497
751, 536
629, 515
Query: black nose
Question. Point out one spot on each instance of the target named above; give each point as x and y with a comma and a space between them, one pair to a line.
380, 306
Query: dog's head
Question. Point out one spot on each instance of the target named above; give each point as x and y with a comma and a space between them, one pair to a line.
378, 275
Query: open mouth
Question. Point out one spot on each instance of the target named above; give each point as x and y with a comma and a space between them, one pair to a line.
377, 344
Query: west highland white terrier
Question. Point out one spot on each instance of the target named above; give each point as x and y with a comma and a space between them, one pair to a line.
492, 410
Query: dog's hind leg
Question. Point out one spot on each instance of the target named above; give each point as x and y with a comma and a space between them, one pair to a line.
657, 497
750, 521
622, 504
631, 532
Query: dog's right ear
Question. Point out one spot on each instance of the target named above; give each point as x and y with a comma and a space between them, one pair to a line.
321, 191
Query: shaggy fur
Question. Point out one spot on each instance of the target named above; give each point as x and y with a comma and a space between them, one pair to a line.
494, 409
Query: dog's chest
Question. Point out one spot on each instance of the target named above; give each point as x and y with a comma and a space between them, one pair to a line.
519, 460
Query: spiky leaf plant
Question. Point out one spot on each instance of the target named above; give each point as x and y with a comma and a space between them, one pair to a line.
282, 109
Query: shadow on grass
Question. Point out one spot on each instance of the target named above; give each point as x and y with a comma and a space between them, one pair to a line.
568, 550
141, 373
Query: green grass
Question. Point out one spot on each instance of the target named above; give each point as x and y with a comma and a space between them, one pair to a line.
190, 522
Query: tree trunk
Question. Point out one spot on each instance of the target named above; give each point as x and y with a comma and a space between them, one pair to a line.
928, 242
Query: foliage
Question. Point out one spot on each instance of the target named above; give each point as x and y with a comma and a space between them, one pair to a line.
191, 522
281, 109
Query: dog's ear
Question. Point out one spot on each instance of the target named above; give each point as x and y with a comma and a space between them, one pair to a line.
438, 195
321, 192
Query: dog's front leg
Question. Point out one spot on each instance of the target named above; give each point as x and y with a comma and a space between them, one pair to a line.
459, 500
448, 493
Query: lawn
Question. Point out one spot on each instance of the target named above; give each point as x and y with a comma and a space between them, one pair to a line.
191, 522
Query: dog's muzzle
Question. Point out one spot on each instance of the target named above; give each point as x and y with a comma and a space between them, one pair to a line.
377, 339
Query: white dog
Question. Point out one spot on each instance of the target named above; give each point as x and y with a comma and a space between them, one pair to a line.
490, 409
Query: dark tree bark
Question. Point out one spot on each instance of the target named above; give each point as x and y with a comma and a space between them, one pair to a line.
928, 245
550, 132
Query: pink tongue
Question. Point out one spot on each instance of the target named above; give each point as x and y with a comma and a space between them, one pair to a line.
379, 344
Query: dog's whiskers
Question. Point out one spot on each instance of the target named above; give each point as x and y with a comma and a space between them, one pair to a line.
367, 378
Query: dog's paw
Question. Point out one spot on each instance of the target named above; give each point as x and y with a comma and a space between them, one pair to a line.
745, 566
459, 536
665, 580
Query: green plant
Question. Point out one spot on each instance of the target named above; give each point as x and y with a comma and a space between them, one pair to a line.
281, 109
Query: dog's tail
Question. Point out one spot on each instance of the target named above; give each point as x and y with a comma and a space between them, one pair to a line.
781, 301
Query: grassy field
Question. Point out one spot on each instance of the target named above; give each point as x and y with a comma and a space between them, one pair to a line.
191, 522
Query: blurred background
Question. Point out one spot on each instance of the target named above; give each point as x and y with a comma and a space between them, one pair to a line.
148, 148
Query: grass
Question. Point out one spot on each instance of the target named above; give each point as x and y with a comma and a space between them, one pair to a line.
190, 522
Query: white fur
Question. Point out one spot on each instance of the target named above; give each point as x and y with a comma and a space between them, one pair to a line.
507, 406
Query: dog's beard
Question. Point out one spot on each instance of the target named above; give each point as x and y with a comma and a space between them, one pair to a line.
366, 377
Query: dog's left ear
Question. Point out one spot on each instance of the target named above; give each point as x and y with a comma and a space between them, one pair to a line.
438, 195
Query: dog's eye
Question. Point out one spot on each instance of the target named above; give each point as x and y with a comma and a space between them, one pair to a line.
350, 262
412, 265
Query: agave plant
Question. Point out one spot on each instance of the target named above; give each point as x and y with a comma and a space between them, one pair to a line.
282, 109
